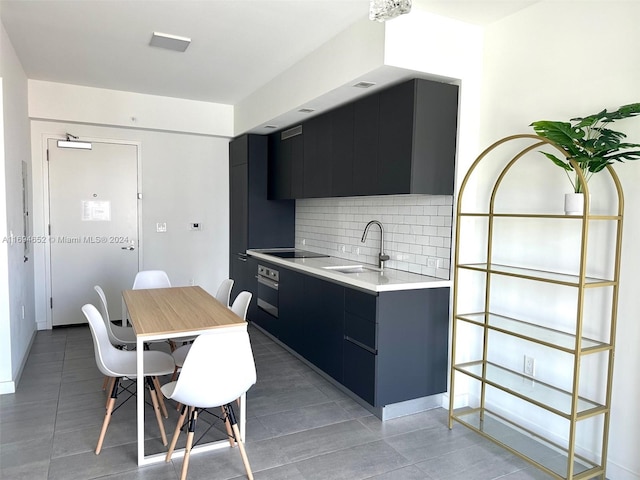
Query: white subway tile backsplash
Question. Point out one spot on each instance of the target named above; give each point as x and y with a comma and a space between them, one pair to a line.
417, 228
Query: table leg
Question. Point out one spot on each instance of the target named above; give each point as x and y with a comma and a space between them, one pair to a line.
140, 398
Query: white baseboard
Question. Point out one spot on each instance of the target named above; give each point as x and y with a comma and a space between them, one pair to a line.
618, 472
7, 387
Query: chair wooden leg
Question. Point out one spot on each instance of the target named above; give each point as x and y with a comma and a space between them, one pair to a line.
110, 386
107, 416
174, 377
156, 382
156, 408
234, 424
105, 382
187, 450
176, 434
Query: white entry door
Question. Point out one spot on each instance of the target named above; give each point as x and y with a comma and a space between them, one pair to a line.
93, 221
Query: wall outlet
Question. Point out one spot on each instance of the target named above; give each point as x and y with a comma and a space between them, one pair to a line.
357, 250
161, 227
304, 241
431, 262
529, 366
195, 226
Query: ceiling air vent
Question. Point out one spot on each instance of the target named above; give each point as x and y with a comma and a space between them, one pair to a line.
307, 110
364, 84
292, 132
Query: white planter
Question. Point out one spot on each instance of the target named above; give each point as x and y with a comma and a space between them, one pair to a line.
574, 203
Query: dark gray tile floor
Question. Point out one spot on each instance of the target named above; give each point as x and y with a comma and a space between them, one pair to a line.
300, 427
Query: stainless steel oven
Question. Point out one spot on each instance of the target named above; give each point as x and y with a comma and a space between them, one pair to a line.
268, 279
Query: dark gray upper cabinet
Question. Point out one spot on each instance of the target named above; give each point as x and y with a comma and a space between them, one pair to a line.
254, 221
342, 151
286, 164
397, 141
366, 134
317, 163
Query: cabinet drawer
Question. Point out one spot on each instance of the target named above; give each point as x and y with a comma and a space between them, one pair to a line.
361, 304
359, 372
360, 331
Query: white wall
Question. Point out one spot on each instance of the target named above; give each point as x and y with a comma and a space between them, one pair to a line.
16, 289
585, 59
74, 103
184, 180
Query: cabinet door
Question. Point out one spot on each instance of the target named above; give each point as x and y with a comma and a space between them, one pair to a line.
359, 374
323, 322
271, 223
413, 342
434, 140
342, 168
280, 168
396, 135
317, 157
238, 208
238, 195
251, 282
239, 272
295, 148
292, 310
365, 145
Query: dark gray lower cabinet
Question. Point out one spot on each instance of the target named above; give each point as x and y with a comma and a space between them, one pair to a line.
385, 348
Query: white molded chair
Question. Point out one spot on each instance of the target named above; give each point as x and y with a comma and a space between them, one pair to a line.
151, 279
222, 295
120, 363
241, 304
239, 307
117, 335
218, 370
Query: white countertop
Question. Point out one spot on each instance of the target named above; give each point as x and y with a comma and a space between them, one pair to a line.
372, 280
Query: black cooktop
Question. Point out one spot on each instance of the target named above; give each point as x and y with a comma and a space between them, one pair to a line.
296, 254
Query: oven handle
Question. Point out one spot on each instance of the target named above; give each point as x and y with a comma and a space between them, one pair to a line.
267, 282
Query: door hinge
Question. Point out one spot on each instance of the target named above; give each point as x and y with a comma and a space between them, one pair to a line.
49, 228
51, 302
47, 154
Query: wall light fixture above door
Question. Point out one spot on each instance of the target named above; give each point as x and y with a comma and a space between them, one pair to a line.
73, 142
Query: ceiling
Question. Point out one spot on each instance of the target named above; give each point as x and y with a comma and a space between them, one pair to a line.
237, 45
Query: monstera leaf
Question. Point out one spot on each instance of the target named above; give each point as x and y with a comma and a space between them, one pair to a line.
588, 142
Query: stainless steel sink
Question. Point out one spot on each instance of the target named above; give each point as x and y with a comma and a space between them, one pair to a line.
349, 269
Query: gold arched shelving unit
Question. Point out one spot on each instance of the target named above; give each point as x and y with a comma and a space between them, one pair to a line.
559, 459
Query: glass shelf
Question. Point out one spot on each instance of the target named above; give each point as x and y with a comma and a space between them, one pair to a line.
545, 396
540, 275
539, 215
534, 333
551, 458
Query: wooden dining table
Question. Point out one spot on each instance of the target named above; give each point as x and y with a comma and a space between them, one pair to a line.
162, 313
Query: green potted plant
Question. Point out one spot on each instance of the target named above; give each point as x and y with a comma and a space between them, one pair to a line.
589, 142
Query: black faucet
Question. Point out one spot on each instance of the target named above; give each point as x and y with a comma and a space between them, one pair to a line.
381, 256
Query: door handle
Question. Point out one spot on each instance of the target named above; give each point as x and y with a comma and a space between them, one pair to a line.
130, 247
